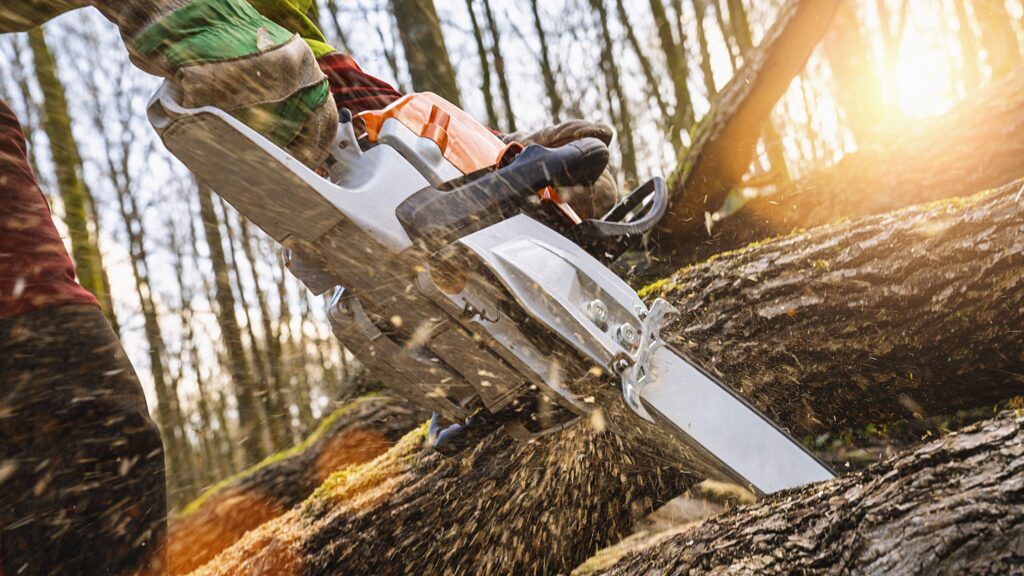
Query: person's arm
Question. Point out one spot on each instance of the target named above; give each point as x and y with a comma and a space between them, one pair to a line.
351, 87
256, 59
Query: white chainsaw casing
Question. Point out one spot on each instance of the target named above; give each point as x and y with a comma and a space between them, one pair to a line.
532, 299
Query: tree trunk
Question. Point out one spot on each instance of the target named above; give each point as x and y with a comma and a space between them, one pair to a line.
188, 355
231, 333
726, 138
339, 33
700, 8
295, 358
968, 48
67, 161
485, 67
546, 70
168, 405
224, 448
857, 86
275, 438
969, 149
997, 36
653, 85
425, 49
616, 93
499, 67
727, 35
955, 506
772, 139
280, 418
837, 327
675, 59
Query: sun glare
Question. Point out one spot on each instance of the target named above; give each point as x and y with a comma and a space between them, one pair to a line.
924, 74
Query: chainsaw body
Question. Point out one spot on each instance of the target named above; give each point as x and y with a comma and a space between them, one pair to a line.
468, 286
460, 302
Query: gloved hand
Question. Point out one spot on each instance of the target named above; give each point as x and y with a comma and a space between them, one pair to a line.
588, 201
226, 54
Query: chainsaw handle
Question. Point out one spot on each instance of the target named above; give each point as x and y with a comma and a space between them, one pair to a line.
440, 214
612, 234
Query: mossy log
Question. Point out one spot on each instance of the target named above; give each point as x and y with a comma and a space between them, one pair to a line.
974, 147
913, 312
355, 433
954, 506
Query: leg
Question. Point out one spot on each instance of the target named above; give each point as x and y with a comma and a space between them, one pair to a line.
81, 463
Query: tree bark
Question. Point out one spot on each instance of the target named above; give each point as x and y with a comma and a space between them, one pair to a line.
837, 327
726, 138
429, 65
969, 149
955, 506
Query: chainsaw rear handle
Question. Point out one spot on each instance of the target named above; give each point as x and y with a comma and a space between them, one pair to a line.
442, 214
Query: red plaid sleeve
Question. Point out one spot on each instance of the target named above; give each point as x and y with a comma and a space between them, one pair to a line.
354, 89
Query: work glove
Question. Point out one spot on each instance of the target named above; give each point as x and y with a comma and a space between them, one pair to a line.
592, 201
226, 54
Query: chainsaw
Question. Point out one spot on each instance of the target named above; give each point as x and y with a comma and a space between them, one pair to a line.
469, 287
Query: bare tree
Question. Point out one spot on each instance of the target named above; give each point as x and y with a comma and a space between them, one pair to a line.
425, 49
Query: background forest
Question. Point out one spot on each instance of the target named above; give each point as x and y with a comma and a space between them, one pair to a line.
217, 328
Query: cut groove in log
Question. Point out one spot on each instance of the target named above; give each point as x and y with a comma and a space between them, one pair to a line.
955, 506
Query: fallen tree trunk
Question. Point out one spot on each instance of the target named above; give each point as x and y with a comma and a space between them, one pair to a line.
845, 325
725, 140
955, 506
974, 147
355, 433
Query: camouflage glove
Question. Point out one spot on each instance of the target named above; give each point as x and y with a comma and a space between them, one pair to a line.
226, 54
588, 201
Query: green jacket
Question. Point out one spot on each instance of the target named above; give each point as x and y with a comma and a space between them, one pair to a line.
22, 15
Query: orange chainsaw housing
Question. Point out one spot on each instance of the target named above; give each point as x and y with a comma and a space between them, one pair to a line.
465, 143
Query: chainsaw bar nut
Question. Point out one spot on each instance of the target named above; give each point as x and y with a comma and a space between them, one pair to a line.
597, 311
627, 335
